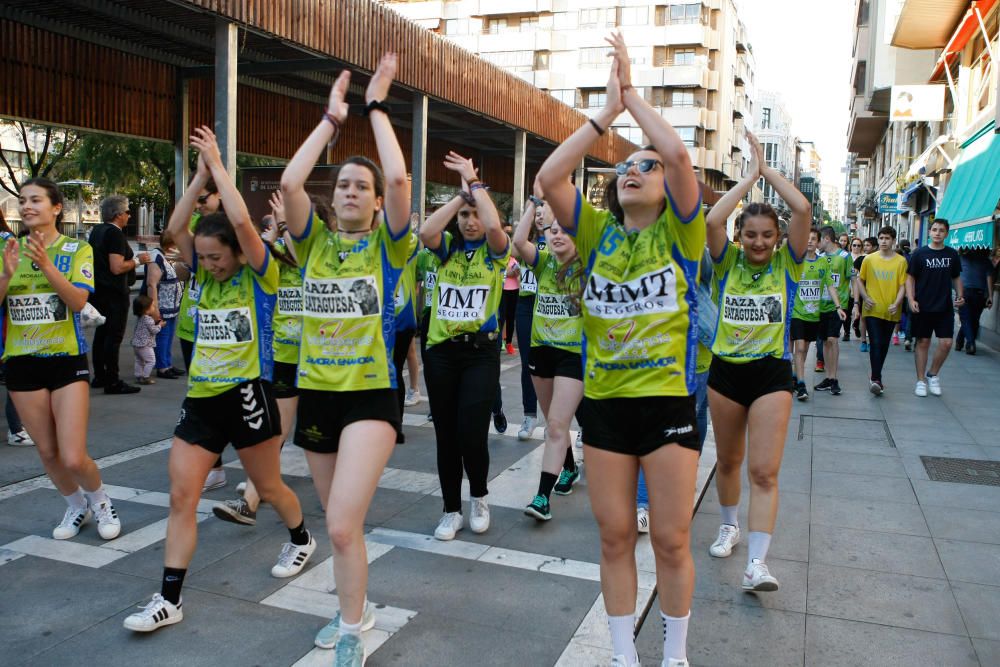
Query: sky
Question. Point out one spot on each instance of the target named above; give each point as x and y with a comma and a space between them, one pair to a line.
802, 50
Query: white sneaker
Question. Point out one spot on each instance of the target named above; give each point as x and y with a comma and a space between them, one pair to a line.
729, 537
449, 524
71, 522
19, 439
293, 558
622, 661
673, 662
329, 634
216, 480
642, 518
921, 388
479, 521
527, 428
108, 524
579, 440
412, 397
934, 384
157, 613
758, 578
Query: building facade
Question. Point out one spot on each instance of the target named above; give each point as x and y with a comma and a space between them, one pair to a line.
774, 130
691, 60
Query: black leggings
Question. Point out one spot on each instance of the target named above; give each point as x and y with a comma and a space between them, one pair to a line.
461, 379
879, 337
399, 351
507, 315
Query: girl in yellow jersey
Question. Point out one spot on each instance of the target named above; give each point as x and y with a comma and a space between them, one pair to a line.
750, 381
640, 352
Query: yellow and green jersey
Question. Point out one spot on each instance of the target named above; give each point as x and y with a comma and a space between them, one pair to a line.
233, 329
38, 321
427, 268
405, 297
529, 281
189, 299
288, 314
755, 305
468, 290
348, 307
556, 320
807, 299
838, 270
639, 302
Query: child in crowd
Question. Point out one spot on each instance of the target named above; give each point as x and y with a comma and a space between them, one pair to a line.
144, 338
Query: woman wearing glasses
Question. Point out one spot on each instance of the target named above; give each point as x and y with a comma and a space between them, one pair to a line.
640, 346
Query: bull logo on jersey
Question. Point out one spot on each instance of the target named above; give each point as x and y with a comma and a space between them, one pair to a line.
46, 308
340, 297
752, 309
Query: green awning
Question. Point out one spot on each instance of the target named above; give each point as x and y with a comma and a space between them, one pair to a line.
974, 189
971, 234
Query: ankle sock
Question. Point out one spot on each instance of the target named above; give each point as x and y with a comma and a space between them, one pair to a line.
730, 514
76, 499
350, 628
623, 636
675, 630
173, 580
569, 463
757, 546
299, 535
545, 484
97, 497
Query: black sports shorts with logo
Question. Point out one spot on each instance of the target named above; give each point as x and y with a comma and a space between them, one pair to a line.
245, 415
641, 425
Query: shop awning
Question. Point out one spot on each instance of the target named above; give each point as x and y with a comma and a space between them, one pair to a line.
974, 189
972, 234
968, 27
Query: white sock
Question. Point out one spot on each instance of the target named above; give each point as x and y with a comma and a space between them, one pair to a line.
350, 628
76, 499
97, 497
675, 631
623, 637
757, 547
730, 514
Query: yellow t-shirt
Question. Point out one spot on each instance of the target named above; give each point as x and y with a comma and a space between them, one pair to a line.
883, 278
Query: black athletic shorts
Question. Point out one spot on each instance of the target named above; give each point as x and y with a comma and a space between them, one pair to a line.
639, 426
545, 361
245, 415
745, 383
31, 373
285, 376
922, 325
803, 330
323, 415
830, 325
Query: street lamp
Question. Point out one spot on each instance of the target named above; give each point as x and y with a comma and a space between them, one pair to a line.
79, 200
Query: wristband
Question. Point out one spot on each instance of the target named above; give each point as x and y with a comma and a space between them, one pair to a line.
536, 201
598, 128
471, 181
466, 197
376, 105
476, 186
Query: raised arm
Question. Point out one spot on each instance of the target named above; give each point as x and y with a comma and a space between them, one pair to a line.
526, 250
390, 155
251, 244
496, 238
179, 225
293, 179
430, 231
717, 217
677, 167
798, 229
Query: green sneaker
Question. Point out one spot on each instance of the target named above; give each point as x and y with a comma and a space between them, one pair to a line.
567, 479
329, 634
350, 652
539, 509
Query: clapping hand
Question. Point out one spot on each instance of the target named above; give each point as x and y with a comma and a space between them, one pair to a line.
378, 87
10, 258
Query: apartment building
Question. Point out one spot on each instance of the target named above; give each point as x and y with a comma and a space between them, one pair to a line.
774, 130
691, 60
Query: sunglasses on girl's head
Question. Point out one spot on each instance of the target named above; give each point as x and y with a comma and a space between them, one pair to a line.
644, 166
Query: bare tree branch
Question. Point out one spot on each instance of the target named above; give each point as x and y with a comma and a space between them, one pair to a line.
13, 177
67, 146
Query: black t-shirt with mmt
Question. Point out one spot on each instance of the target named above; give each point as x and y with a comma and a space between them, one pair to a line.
933, 271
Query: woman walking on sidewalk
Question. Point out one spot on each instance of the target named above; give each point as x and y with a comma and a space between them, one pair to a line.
462, 360
750, 382
44, 285
230, 398
640, 339
348, 415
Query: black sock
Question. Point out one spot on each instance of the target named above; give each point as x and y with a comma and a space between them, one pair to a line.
569, 463
173, 580
299, 535
545, 484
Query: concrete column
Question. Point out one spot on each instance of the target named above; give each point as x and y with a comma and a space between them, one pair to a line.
182, 171
418, 166
520, 149
225, 92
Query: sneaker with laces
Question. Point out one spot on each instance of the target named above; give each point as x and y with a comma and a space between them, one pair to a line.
109, 526
825, 385
479, 519
835, 387
412, 398
293, 558
510, 348
864, 347
527, 428
71, 522
801, 392
729, 537
895, 339
642, 519
934, 384
820, 367
216, 480
876, 387
539, 508
758, 578
567, 478
19, 439
674, 662
500, 421
449, 524
157, 613
350, 652
235, 511
921, 388
329, 634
